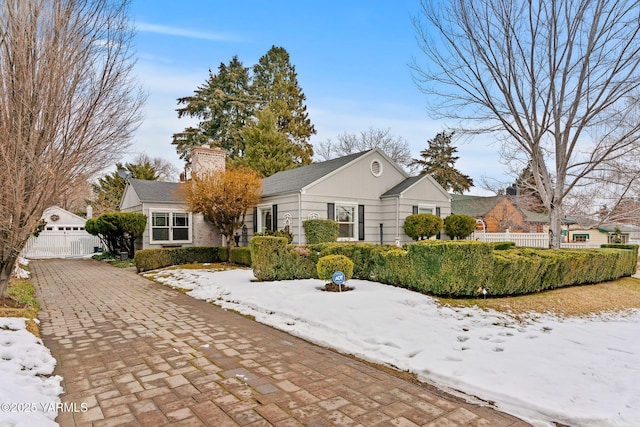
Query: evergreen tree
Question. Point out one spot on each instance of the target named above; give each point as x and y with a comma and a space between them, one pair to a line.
526, 190
224, 104
268, 150
439, 159
109, 189
275, 83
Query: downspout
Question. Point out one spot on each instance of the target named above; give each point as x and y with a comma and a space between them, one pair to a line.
300, 217
398, 221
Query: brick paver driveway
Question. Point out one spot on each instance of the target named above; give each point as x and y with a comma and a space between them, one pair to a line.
137, 353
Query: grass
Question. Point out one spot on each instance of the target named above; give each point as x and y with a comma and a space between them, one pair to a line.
615, 296
21, 303
114, 260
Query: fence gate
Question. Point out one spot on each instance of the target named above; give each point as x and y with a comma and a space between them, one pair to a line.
61, 244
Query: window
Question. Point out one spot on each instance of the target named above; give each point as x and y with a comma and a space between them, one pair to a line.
426, 209
580, 238
346, 218
376, 168
266, 219
170, 227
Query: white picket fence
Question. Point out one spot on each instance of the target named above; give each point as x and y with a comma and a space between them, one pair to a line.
61, 244
532, 240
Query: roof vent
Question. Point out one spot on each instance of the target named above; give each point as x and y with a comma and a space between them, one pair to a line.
376, 168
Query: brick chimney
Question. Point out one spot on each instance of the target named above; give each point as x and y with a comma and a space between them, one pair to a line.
205, 160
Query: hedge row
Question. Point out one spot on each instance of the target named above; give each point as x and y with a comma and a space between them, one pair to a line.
151, 259
450, 268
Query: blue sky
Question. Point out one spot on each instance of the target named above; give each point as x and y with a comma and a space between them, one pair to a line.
352, 58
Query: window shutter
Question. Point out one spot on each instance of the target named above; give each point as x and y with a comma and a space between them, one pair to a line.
437, 210
439, 236
360, 222
331, 211
415, 209
274, 217
255, 220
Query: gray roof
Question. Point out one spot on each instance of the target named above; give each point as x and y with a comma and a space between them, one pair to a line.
294, 180
157, 191
399, 188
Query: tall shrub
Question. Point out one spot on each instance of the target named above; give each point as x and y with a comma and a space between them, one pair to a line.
320, 230
422, 226
118, 230
459, 226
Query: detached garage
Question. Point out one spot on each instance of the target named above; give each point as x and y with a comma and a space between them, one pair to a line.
64, 236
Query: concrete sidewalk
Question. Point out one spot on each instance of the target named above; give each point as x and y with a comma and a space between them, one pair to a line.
138, 354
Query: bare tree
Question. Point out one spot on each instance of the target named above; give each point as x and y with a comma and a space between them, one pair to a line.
164, 169
556, 78
68, 105
396, 147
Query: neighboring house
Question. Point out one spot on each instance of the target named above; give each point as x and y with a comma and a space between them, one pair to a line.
603, 233
367, 193
498, 214
63, 236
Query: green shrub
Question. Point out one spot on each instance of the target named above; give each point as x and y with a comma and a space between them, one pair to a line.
267, 255
240, 256
320, 230
327, 265
422, 226
362, 254
151, 259
277, 233
458, 226
118, 230
450, 268
501, 246
394, 268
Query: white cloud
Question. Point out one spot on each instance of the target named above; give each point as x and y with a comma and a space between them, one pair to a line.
183, 32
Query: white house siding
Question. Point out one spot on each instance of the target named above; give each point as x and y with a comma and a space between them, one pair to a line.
287, 205
202, 232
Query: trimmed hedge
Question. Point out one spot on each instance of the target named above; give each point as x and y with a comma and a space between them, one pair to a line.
450, 268
151, 259
320, 230
241, 256
327, 265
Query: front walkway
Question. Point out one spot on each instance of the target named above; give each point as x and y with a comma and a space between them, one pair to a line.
139, 354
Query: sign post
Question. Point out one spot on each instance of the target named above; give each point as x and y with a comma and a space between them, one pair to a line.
338, 279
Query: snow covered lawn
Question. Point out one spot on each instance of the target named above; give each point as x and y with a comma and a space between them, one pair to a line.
28, 391
578, 371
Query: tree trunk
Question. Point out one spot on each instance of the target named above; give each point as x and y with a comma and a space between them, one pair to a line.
5, 274
555, 228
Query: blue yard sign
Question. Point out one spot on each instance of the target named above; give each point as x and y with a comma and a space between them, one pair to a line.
338, 278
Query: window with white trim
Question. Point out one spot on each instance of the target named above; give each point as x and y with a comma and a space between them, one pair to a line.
427, 209
265, 219
170, 227
347, 221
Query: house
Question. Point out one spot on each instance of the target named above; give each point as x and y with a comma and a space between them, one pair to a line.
599, 234
169, 222
367, 193
498, 214
63, 236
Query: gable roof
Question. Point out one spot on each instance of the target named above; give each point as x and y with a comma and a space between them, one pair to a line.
474, 206
158, 191
294, 180
403, 186
479, 206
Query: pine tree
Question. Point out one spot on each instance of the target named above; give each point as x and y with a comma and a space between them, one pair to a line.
275, 83
109, 189
528, 195
224, 104
268, 149
439, 159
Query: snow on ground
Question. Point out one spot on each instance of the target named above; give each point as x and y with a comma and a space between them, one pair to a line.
577, 371
28, 391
